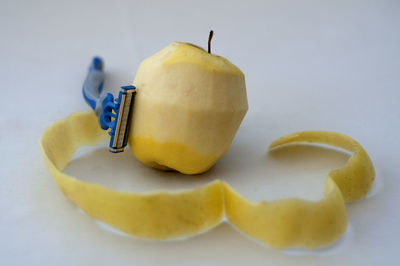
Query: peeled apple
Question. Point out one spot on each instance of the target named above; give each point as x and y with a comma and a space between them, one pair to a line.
188, 107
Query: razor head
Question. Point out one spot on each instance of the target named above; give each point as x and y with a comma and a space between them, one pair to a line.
122, 119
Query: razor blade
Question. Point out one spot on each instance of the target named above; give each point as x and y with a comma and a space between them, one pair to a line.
114, 114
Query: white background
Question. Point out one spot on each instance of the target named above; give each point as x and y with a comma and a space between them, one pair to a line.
309, 65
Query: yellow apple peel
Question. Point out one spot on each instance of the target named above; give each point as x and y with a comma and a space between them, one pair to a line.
356, 177
163, 214
158, 215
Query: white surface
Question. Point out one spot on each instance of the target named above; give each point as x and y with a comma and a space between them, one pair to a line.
325, 65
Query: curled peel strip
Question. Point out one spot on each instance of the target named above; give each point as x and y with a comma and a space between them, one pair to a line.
163, 215
356, 177
309, 224
158, 215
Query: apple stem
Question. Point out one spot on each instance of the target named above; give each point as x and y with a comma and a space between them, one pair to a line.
209, 41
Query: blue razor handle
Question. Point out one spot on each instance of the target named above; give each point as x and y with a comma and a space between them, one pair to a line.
114, 114
93, 85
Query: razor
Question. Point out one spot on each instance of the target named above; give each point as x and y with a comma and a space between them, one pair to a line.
114, 114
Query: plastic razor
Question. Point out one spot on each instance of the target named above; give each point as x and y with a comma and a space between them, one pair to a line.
114, 114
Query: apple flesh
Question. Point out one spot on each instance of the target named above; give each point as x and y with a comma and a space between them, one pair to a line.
188, 107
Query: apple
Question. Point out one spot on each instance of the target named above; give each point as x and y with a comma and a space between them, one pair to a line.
188, 107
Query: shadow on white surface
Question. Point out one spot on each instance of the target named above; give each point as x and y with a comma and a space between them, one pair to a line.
377, 186
343, 243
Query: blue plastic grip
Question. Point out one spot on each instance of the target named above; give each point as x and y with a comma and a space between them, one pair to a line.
93, 85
